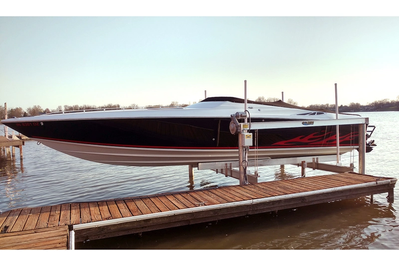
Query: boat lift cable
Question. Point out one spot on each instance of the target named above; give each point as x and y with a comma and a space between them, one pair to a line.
245, 164
352, 153
256, 168
256, 152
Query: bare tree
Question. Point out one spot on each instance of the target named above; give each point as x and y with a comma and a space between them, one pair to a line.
262, 99
16, 112
354, 107
174, 104
2, 112
110, 105
35, 110
291, 101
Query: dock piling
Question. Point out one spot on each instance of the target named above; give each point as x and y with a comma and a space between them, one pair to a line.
390, 196
191, 176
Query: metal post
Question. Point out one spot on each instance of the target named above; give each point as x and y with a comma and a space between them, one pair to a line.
245, 100
282, 96
362, 149
337, 126
5, 117
241, 158
72, 239
241, 134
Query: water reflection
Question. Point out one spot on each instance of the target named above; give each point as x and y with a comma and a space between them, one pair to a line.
281, 174
9, 173
9, 168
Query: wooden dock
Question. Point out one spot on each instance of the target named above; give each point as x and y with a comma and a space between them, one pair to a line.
110, 218
7, 147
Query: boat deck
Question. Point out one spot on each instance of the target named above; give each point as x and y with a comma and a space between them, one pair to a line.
110, 218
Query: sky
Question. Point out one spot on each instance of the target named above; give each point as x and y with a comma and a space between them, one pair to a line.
54, 60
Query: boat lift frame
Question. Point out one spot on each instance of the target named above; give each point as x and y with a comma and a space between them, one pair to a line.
314, 162
242, 129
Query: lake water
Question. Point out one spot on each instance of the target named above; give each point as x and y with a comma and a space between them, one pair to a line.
47, 177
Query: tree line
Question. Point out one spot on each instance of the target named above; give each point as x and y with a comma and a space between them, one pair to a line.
38, 110
379, 105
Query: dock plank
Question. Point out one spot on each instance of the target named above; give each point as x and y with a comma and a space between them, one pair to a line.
202, 198
248, 193
3, 217
21, 221
114, 210
233, 193
153, 208
65, 217
159, 204
104, 210
32, 219
85, 213
259, 192
297, 186
169, 204
289, 188
347, 179
314, 183
235, 190
225, 196
214, 196
75, 213
44, 217
176, 202
54, 218
124, 210
328, 182
142, 206
304, 184
309, 185
133, 207
184, 201
364, 178
10, 221
193, 202
273, 189
94, 212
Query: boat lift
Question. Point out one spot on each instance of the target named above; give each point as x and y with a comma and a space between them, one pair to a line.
245, 141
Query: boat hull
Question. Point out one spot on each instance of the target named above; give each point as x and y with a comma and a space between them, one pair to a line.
139, 156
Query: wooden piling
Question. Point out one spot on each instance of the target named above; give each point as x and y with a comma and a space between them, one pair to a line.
191, 175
